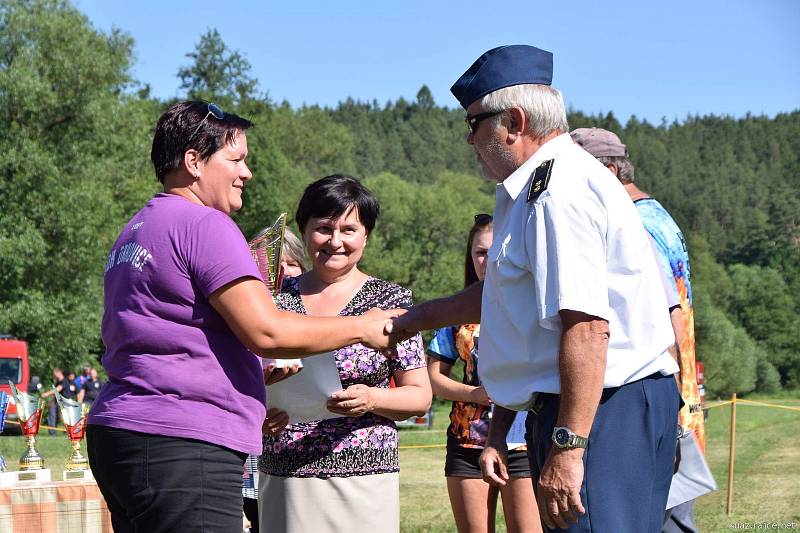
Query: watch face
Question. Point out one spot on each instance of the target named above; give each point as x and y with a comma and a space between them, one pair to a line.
562, 436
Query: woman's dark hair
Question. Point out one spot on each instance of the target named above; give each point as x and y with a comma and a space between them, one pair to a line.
332, 196
482, 223
191, 125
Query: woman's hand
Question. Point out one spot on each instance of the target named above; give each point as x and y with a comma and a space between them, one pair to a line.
355, 400
274, 374
478, 395
275, 421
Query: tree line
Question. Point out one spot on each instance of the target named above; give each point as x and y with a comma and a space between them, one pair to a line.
75, 133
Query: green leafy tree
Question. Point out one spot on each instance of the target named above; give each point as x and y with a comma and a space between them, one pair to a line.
217, 73
70, 166
763, 306
310, 138
420, 239
729, 354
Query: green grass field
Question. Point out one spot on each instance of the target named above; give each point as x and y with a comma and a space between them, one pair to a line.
766, 482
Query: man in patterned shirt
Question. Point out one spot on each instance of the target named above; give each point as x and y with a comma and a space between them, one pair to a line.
607, 148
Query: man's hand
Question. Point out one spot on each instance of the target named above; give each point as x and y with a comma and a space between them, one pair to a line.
494, 465
274, 374
376, 329
355, 400
275, 421
406, 326
558, 492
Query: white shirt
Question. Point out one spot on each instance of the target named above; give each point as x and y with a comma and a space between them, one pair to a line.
580, 245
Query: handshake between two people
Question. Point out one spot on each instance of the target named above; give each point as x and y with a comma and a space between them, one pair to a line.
384, 329
381, 330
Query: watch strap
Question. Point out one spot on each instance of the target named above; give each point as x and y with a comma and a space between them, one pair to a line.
576, 441
573, 441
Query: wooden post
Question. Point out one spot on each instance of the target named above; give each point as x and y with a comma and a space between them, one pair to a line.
731, 455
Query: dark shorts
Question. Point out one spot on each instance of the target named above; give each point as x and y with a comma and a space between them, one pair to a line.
162, 484
463, 462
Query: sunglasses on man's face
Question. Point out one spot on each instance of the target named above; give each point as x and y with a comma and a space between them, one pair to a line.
213, 110
473, 121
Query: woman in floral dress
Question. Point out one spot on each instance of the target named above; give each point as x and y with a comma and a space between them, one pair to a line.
341, 473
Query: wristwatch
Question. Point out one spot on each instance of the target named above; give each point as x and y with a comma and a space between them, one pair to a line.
563, 437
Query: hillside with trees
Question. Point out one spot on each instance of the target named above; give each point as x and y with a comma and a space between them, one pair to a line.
75, 133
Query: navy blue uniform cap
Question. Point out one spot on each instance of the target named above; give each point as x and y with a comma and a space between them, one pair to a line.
503, 66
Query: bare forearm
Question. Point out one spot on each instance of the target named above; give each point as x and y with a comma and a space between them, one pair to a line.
582, 363
450, 389
269, 332
461, 308
679, 328
502, 419
299, 335
399, 403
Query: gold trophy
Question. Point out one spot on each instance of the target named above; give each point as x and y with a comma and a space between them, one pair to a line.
74, 416
30, 409
267, 248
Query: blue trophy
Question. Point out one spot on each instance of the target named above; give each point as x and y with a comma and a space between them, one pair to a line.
3, 409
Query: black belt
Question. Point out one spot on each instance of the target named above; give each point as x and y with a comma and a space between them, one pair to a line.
540, 398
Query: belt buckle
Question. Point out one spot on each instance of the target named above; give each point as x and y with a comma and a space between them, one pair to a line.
537, 402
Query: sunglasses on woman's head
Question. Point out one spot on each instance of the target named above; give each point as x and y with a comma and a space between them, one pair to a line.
481, 219
213, 110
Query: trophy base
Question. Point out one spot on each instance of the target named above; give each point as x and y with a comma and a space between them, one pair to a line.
24, 477
78, 475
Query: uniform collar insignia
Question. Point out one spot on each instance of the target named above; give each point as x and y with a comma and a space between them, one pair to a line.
540, 178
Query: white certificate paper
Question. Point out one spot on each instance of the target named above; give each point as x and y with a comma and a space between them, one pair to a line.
305, 395
286, 363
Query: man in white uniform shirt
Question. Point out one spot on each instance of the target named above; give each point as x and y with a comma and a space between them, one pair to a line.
574, 322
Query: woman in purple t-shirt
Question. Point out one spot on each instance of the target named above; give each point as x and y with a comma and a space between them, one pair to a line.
185, 312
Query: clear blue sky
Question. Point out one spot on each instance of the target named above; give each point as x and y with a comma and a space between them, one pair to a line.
632, 57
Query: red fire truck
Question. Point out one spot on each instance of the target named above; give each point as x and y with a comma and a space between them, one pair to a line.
14, 368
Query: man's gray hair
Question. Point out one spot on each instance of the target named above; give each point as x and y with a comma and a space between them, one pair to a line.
543, 106
623, 164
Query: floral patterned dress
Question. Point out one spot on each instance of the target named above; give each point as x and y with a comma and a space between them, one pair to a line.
346, 446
